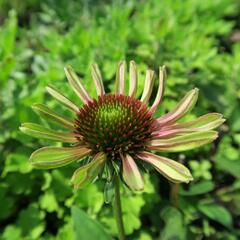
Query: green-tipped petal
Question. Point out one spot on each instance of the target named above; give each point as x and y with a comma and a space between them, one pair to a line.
120, 78
86, 174
131, 174
38, 131
97, 77
204, 123
46, 112
172, 170
148, 86
183, 143
77, 85
53, 157
184, 106
61, 98
133, 79
157, 101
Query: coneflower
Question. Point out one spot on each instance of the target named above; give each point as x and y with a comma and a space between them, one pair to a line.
118, 131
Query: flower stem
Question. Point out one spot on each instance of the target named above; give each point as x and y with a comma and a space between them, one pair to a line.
174, 194
118, 210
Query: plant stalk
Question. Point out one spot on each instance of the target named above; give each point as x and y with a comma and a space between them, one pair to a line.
117, 208
174, 194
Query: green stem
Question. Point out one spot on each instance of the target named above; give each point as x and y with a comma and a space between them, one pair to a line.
174, 194
118, 210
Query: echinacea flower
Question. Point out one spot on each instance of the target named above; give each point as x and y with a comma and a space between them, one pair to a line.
118, 131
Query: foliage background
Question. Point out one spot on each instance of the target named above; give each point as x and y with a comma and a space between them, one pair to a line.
199, 43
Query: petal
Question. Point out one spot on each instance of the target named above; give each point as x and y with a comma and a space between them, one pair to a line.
204, 123
53, 157
86, 174
46, 112
131, 173
172, 170
76, 85
183, 143
157, 101
120, 78
182, 108
148, 86
133, 79
97, 77
61, 98
39, 131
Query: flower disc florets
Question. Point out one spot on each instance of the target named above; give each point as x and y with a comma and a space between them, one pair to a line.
115, 124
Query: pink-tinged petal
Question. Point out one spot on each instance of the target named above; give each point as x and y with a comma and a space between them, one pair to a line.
170, 133
183, 143
61, 98
133, 79
46, 112
53, 157
157, 101
172, 170
120, 76
97, 77
148, 86
38, 131
182, 108
204, 123
131, 173
76, 85
86, 174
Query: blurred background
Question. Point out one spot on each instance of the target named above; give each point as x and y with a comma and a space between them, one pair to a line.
198, 41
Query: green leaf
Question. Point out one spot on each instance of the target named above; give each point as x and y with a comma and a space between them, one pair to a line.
216, 213
87, 228
198, 188
174, 226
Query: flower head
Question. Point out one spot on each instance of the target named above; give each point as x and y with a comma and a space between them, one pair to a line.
118, 131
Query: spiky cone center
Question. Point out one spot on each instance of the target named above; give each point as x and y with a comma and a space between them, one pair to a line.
115, 124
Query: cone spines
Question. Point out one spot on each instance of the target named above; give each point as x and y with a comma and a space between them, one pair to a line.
115, 124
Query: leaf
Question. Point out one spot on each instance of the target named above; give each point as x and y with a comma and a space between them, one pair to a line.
216, 213
198, 188
174, 227
87, 228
